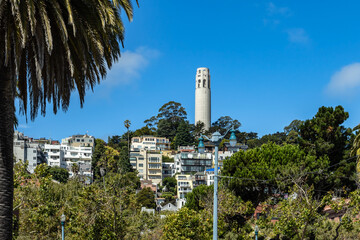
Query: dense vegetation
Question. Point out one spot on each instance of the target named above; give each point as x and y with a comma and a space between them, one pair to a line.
283, 183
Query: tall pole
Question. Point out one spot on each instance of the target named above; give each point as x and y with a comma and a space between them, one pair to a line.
215, 214
62, 220
62, 231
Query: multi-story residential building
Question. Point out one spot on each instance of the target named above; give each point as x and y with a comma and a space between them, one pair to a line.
209, 174
149, 143
54, 155
186, 163
79, 149
184, 185
26, 150
168, 169
79, 141
81, 156
148, 164
199, 179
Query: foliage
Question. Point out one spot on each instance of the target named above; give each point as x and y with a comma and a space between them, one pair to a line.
170, 183
187, 224
271, 167
195, 200
183, 135
277, 138
144, 131
324, 135
146, 198
224, 123
99, 152
167, 159
293, 126
59, 174
96, 211
168, 120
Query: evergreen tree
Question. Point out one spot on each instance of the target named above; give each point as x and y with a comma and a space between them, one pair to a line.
183, 135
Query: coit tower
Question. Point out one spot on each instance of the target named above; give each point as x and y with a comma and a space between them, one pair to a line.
203, 97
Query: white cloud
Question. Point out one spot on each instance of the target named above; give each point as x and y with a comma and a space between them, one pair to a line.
297, 35
130, 66
272, 9
345, 81
23, 126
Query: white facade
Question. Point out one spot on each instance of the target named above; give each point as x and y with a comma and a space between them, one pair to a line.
203, 97
149, 143
54, 155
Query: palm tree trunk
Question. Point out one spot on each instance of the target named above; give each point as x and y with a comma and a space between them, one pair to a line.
6, 153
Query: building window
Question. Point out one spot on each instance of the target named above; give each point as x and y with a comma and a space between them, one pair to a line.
199, 85
199, 71
204, 83
141, 165
78, 140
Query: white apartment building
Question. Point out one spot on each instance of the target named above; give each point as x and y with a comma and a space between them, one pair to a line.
54, 155
184, 185
209, 175
148, 164
149, 143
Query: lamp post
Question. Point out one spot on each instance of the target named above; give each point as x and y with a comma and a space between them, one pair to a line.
201, 147
256, 232
216, 139
62, 220
102, 173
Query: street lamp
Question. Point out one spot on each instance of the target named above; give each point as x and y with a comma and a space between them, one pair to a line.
216, 140
201, 147
256, 232
232, 138
62, 220
102, 173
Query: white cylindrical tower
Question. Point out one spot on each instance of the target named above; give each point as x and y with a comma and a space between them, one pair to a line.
203, 97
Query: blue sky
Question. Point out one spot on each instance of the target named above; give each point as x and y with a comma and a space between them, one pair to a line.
270, 62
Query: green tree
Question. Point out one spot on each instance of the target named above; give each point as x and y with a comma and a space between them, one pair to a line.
167, 121
59, 174
325, 135
187, 224
262, 172
49, 49
99, 152
355, 151
293, 126
146, 198
195, 200
183, 135
224, 123
170, 183
144, 131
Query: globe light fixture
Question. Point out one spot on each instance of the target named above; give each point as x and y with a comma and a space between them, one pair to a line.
201, 146
232, 138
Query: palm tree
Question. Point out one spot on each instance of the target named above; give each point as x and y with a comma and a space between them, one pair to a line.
127, 124
49, 48
355, 151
